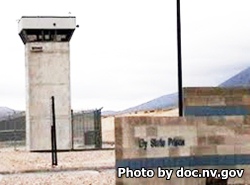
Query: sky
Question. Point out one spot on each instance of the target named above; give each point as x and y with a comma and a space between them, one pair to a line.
124, 53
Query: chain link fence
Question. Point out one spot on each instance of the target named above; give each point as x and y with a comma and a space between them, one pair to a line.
87, 132
12, 131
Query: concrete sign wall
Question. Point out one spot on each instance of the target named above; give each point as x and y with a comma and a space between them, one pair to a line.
216, 101
164, 143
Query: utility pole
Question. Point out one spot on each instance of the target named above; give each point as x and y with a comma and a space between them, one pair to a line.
179, 59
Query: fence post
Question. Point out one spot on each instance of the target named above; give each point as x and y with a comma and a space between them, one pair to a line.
72, 129
100, 125
53, 133
97, 127
14, 134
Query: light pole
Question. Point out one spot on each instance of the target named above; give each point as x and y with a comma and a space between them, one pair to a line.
179, 59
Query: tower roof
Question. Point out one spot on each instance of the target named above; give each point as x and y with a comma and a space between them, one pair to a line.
46, 28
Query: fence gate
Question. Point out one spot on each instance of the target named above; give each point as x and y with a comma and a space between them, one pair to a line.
86, 130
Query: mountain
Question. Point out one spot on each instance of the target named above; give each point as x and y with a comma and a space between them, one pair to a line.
108, 113
163, 102
171, 100
4, 112
239, 80
166, 101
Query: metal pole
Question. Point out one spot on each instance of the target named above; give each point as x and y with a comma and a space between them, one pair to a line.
53, 134
179, 59
14, 134
72, 129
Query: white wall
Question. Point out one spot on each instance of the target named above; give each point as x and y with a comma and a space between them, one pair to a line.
47, 74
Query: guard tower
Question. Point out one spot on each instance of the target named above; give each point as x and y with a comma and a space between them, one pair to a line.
47, 63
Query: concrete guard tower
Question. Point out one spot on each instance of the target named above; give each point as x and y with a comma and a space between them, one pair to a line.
47, 63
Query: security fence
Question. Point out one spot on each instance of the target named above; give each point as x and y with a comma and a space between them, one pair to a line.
12, 130
86, 128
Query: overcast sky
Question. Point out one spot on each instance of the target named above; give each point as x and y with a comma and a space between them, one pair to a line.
125, 52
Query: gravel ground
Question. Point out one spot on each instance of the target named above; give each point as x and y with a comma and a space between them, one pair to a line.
87, 177
81, 167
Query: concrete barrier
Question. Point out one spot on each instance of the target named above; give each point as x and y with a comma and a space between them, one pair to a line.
214, 142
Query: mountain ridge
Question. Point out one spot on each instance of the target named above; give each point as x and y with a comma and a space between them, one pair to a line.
241, 79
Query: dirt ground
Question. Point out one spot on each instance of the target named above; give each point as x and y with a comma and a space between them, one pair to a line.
80, 167
94, 167
77, 167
